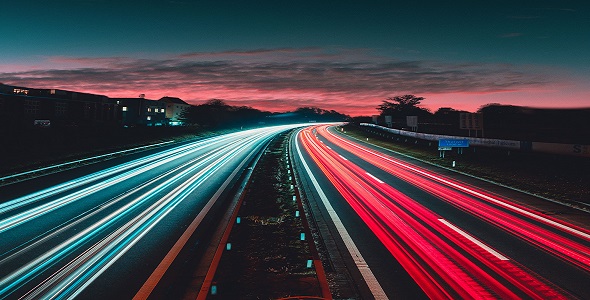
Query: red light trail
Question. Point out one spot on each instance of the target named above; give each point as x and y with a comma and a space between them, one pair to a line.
523, 222
444, 260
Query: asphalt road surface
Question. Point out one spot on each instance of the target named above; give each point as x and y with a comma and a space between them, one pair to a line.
411, 230
100, 231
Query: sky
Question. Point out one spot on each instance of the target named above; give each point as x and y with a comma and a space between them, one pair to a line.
348, 56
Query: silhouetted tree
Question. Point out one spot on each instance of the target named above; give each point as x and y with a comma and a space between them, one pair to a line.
307, 114
482, 108
399, 106
400, 103
210, 114
218, 114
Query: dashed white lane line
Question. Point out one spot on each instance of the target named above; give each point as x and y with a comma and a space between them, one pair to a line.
372, 176
474, 240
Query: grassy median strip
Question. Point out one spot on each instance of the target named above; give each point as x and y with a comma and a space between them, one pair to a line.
562, 178
267, 256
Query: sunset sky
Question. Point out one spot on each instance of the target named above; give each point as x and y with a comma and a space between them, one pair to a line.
279, 55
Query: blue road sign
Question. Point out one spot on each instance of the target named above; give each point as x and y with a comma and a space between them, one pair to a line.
463, 143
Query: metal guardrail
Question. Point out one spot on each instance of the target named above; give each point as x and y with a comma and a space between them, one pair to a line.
2, 179
552, 148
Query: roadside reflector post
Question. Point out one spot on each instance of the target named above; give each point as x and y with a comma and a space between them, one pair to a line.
238, 220
214, 289
309, 263
296, 214
302, 236
228, 246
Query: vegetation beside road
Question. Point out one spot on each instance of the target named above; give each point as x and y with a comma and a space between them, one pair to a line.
509, 122
267, 259
562, 178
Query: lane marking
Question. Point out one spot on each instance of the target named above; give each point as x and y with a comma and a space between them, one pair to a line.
470, 191
371, 175
474, 240
150, 284
359, 261
342, 157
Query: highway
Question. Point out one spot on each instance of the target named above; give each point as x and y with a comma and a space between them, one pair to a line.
100, 231
411, 232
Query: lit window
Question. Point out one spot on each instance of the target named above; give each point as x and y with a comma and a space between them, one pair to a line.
149, 109
21, 91
124, 108
163, 110
149, 118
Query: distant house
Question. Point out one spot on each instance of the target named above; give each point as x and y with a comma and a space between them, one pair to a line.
141, 111
175, 108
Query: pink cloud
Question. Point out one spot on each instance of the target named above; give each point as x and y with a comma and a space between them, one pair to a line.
349, 81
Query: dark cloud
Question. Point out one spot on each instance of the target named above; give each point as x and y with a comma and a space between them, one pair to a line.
310, 73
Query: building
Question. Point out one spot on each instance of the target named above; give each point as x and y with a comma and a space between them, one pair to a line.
141, 112
21, 106
175, 109
28, 107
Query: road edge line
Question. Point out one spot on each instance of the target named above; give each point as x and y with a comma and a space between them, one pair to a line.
361, 264
151, 283
317, 262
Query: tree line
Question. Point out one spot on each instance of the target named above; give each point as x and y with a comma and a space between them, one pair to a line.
216, 113
499, 121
